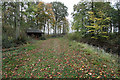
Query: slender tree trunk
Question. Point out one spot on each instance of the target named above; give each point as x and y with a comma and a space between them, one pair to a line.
60, 30
111, 27
48, 27
44, 28
118, 16
4, 16
64, 30
37, 23
44, 25
119, 28
55, 27
119, 21
92, 5
21, 15
82, 23
17, 20
28, 4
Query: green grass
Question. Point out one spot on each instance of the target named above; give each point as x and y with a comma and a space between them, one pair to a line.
59, 58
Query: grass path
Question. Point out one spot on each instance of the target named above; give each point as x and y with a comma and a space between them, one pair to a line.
58, 58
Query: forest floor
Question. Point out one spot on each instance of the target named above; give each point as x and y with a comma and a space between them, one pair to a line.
59, 58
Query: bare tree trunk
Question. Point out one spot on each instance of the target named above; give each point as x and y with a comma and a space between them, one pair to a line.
55, 27
37, 23
44, 24
63, 29
44, 28
83, 23
92, 5
48, 27
21, 14
28, 4
4, 15
111, 27
17, 20
60, 30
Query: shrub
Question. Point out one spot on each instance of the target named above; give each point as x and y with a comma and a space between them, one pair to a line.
23, 38
7, 41
10, 41
74, 36
42, 38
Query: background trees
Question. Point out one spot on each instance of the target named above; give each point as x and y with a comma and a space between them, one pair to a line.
97, 23
19, 16
80, 16
86, 15
60, 12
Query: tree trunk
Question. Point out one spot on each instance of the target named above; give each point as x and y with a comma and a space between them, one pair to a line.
119, 28
44, 25
44, 28
48, 27
92, 5
17, 20
60, 30
55, 27
111, 27
37, 23
63, 29
82, 23
4, 16
21, 15
28, 4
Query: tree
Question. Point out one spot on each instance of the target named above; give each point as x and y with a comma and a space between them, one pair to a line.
65, 25
60, 11
98, 25
51, 17
80, 16
118, 14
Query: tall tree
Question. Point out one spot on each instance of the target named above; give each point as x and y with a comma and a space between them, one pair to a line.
51, 17
80, 16
65, 26
98, 25
118, 14
60, 11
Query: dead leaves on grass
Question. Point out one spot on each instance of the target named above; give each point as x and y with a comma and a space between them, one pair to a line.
52, 63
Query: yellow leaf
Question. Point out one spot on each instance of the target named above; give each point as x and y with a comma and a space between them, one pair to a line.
98, 77
80, 68
91, 26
